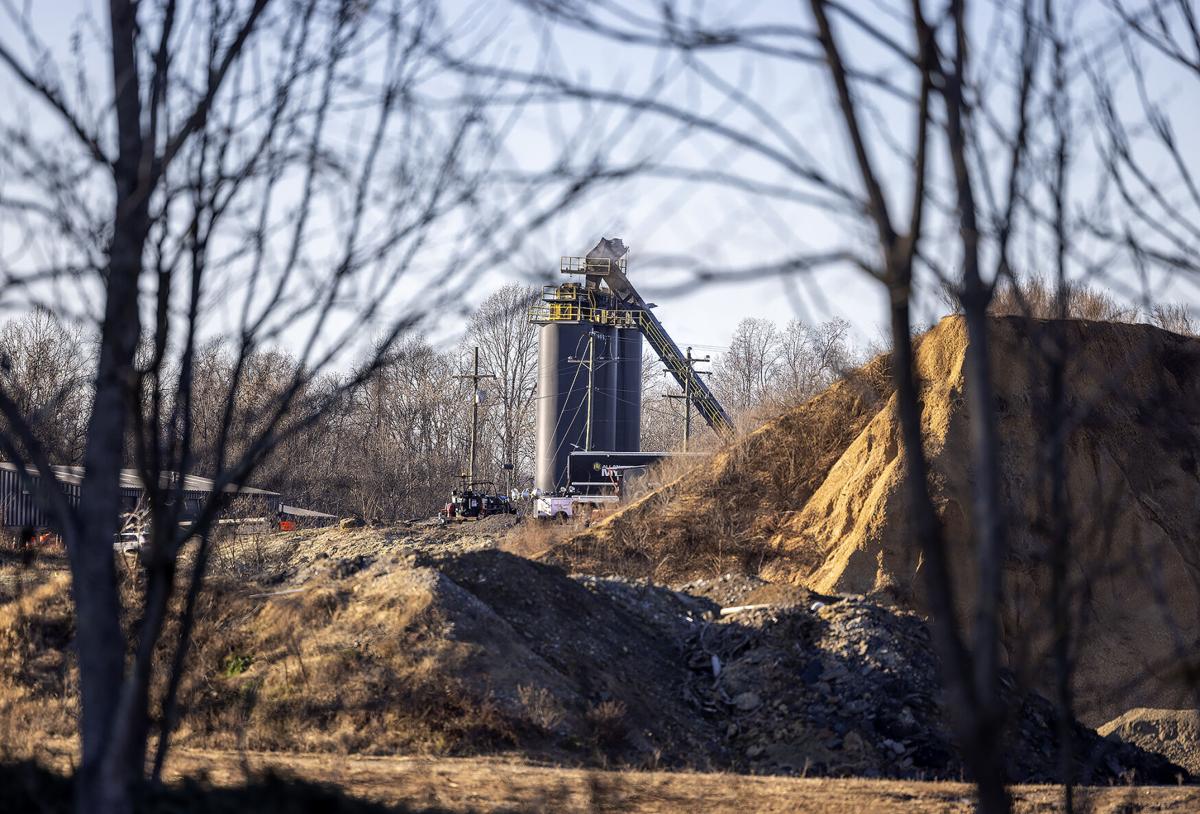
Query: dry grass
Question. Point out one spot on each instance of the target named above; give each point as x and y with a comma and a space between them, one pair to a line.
667, 471
258, 558
721, 514
368, 669
38, 678
390, 659
486, 786
533, 538
1038, 298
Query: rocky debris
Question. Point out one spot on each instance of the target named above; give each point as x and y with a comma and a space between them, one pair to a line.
672, 613
347, 566
737, 590
495, 524
747, 701
816, 496
433, 630
1172, 733
852, 689
848, 689
618, 658
321, 554
727, 589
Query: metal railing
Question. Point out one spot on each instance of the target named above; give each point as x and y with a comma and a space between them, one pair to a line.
574, 312
590, 265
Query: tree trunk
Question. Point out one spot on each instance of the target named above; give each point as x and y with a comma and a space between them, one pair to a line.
105, 781
101, 643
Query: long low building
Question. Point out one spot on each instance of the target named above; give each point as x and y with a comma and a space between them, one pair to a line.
20, 505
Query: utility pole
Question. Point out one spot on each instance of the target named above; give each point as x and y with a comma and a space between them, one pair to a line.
687, 393
590, 364
475, 376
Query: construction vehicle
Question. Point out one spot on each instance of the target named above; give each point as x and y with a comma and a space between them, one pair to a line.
472, 502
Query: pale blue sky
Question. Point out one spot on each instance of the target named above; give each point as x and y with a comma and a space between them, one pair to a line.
717, 226
734, 230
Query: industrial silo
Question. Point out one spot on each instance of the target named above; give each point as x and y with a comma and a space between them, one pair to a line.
561, 400
628, 390
590, 364
589, 391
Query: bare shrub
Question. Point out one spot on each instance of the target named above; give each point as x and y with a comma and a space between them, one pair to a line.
1176, 318
609, 727
541, 707
1037, 298
258, 558
663, 472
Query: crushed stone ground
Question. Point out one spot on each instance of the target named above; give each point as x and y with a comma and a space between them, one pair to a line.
810, 684
431, 640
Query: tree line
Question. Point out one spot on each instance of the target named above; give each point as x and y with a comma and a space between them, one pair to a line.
397, 442
394, 444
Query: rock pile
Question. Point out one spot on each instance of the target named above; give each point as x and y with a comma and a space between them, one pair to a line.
817, 497
850, 688
807, 684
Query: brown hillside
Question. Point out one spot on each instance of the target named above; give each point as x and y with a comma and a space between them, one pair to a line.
725, 513
410, 641
816, 496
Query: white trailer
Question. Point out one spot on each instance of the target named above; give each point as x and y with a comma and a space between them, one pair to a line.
564, 507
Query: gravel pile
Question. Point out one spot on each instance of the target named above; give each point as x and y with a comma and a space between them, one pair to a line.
727, 589
851, 688
728, 673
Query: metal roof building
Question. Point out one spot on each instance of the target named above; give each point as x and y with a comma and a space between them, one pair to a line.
19, 507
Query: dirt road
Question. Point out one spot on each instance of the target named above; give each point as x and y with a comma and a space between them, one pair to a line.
473, 785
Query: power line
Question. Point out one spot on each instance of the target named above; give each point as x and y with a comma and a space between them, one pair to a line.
475, 376
687, 393
590, 364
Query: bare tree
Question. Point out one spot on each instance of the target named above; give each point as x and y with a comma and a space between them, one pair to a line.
1150, 203
811, 358
273, 172
405, 437
46, 367
507, 344
747, 373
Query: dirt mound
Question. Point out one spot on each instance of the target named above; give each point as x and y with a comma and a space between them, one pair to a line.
1172, 733
724, 514
840, 525
445, 651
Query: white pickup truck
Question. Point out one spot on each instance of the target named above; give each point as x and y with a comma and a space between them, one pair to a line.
562, 508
